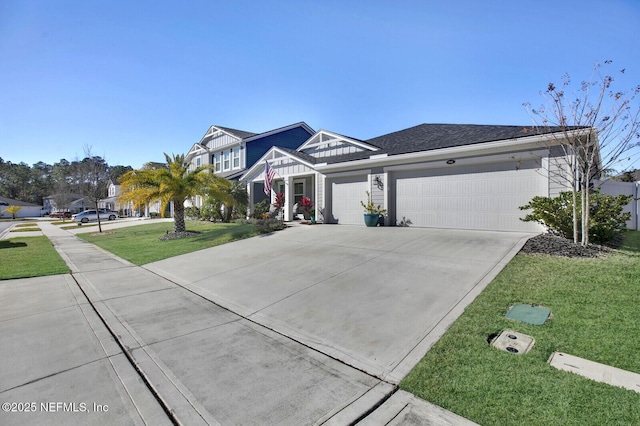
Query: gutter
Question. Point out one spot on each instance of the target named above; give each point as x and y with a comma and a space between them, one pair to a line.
498, 147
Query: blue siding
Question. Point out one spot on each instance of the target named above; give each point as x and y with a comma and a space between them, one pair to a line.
291, 138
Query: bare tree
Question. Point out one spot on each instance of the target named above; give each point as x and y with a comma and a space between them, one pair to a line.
93, 176
596, 128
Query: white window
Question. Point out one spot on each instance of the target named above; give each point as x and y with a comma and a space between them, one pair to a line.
226, 165
236, 157
216, 162
198, 162
298, 191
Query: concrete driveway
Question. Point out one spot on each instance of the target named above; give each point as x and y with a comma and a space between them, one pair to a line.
375, 298
303, 305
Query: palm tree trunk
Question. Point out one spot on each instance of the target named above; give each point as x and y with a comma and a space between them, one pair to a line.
178, 217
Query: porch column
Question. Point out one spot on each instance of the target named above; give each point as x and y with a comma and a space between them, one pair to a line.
288, 197
250, 196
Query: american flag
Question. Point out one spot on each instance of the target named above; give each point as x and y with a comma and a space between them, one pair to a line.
269, 174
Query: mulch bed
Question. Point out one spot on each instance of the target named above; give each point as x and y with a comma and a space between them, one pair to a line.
178, 235
99, 234
554, 245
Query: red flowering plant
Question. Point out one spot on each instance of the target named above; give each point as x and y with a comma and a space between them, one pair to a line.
306, 204
279, 203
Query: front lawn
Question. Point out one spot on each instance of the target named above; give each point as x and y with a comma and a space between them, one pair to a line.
141, 244
29, 257
595, 315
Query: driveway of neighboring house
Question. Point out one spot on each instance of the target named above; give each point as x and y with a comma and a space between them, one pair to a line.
374, 298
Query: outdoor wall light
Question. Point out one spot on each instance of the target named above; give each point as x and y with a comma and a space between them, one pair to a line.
378, 182
451, 161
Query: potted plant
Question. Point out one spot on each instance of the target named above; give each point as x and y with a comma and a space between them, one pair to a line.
372, 212
306, 204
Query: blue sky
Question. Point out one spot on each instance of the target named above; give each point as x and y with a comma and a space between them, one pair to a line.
134, 79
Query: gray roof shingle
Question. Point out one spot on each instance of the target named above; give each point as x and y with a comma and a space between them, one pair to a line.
239, 133
427, 137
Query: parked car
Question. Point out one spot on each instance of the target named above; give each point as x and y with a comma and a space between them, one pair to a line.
89, 215
60, 214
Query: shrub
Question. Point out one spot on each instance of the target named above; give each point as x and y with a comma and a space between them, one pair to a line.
192, 212
264, 225
260, 209
606, 218
556, 214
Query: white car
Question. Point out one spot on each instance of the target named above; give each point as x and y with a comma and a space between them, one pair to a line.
89, 215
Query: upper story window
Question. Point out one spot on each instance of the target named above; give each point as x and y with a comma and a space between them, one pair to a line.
112, 191
198, 161
216, 162
226, 163
236, 157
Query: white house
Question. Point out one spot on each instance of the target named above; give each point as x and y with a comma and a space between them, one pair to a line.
26, 209
433, 175
112, 202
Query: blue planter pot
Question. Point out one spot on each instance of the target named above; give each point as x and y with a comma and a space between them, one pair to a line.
371, 219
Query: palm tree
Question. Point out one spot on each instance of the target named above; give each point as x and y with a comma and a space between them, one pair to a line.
173, 182
13, 210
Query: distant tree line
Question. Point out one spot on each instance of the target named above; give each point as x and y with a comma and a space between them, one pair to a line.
30, 184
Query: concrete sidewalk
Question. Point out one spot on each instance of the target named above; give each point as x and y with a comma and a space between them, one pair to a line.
210, 365
60, 365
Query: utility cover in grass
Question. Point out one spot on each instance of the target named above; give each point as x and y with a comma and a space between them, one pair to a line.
530, 314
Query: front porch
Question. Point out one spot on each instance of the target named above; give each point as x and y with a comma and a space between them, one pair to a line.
294, 177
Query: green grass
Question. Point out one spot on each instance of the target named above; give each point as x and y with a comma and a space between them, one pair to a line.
29, 257
595, 315
141, 244
26, 227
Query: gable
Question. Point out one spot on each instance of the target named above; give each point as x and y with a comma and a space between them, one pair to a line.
218, 137
283, 161
327, 144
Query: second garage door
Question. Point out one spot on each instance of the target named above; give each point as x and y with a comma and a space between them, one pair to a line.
483, 196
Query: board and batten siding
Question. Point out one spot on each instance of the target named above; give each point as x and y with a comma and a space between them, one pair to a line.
559, 172
332, 149
220, 141
288, 167
319, 202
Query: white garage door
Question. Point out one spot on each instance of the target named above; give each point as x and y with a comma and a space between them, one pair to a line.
346, 194
470, 197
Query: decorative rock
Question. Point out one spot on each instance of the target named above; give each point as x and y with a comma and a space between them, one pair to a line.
554, 245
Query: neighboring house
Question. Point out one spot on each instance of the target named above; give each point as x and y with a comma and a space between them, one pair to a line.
127, 209
612, 187
76, 203
431, 175
113, 203
231, 152
26, 209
